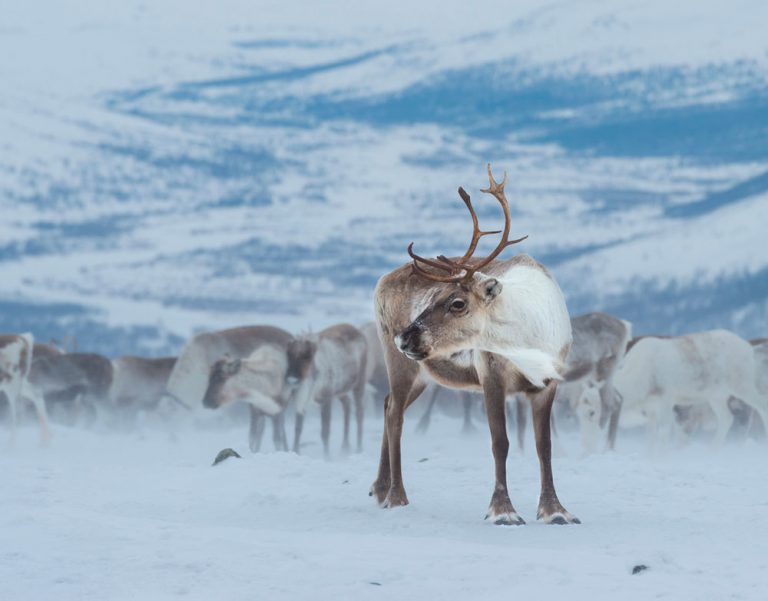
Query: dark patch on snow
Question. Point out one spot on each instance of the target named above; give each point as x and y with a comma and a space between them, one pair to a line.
225, 454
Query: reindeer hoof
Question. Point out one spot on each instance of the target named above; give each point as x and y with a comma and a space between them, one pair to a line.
509, 518
561, 518
378, 491
395, 499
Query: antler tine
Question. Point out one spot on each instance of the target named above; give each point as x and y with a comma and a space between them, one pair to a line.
455, 268
477, 233
434, 276
497, 190
431, 263
494, 187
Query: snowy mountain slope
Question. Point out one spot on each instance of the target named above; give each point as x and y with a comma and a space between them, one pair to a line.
166, 169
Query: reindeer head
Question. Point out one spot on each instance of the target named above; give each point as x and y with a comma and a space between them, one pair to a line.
221, 372
301, 355
457, 308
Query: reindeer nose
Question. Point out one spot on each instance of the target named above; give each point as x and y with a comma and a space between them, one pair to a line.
408, 337
292, 380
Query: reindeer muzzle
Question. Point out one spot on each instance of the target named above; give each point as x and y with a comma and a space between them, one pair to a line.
410, 342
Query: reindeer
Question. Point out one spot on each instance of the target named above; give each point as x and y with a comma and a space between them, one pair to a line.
258, 380
754, 426
328, 366
45, 349
599, 345
702, 368
15, 361
76, 382
138, 384
499, 326
191, 375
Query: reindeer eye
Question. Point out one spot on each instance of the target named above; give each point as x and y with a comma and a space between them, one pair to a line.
458, 305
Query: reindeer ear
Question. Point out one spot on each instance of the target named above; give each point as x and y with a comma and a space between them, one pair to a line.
491, 288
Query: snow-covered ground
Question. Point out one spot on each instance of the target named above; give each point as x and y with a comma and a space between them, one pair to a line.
111, 517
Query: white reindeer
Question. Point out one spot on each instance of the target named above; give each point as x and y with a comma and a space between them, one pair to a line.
331, 365
257, 380
15, 363
702, 368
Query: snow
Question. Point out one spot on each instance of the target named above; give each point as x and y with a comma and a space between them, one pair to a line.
99, 515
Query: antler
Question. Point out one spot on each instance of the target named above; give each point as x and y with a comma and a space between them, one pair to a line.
460, 270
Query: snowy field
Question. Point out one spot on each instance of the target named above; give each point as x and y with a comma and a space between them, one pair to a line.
99, 516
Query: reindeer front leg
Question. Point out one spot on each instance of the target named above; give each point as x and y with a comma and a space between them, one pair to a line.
500, 511
388, 486
550, 508
380, 486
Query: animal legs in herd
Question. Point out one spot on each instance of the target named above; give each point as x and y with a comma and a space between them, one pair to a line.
426, 417
278, 432
724, 418
257, 429
405, 389
467, 400
345, 405
500, 510
11, 393
42, 415
398, 403
325, 425
611, 403
359, 396
521, 418
550, 509
297, 428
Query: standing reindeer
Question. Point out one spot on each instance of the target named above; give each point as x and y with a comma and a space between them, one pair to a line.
500, 326
191, 374
74, 384
328, 366
138, 384
701, 368
258, 380
15, 363
599, 345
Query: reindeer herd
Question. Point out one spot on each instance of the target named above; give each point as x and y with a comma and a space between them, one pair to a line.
499, 327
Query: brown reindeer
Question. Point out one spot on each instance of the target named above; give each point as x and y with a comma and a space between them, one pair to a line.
259, 381
328, 366
497, 326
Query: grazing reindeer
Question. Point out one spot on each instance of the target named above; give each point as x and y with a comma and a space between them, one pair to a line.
258, 380
328, 366
77, 383
138, 384
190, 377
15, 362
702, 368
500, 326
